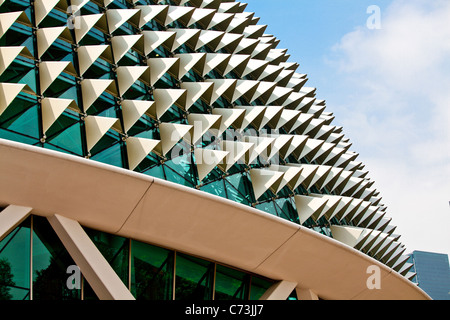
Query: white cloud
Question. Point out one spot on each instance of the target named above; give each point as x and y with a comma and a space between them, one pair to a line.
397, 112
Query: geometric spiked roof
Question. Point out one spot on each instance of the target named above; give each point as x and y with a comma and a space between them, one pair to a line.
190, 91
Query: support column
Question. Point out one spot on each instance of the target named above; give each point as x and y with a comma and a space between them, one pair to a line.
94, 267
279, 291
306, 294
12, 217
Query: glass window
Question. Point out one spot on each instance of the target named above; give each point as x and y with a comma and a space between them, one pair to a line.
156, 171
9, 135
50, 264
194, 278
112, 154
115, 250
65, 135
34, 250
21, 116
151, 272
231, 284
21, 70
216, 188
293, 295
15, 264
236, 196
180, 170
61, 85
268, 207
88, 292
286, 210
144, 128
238, 189
17, 34
258, 287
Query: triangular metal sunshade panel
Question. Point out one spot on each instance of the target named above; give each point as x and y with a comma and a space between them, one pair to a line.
200, 76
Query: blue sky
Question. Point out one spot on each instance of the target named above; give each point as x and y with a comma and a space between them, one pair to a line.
388, 88
309, 29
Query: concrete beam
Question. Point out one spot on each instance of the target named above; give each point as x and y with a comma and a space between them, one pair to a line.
306, 294
12, 217
279, 291
94, 267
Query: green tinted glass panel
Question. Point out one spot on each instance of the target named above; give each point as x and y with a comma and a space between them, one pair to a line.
172, 176
20, 71
70, 93
231, 284
235, 195
258, 287
27, 124
109, 139
65, 135
293, 296
183, 166
58, 87
88, 292
151, 272
156, 171
173, 115
103, 107
50, 264
15, 264
242, 184
17, 34
21, 116
268, 207
115, 250
111, 155
9, 135
267, 196
194, 278
287, 210
215, 174
216, 188
144, 128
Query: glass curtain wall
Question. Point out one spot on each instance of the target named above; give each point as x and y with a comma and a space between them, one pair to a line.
34, 265
22, 120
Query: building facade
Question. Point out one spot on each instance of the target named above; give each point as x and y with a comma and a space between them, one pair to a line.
432, 273
172, 145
